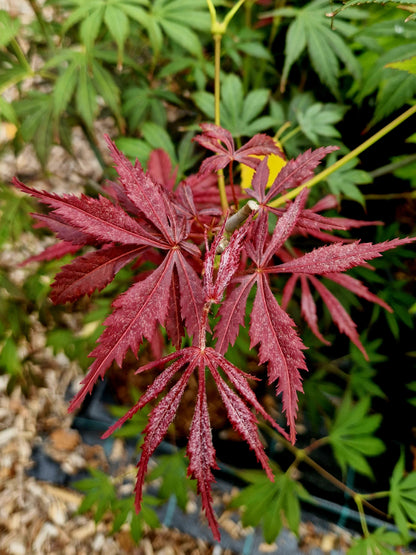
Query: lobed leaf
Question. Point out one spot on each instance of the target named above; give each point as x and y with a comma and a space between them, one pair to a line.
99, 218
91, 272
135, 317
337, 257
201, 452
280, 347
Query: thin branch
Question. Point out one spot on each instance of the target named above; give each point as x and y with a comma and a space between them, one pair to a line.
342, 161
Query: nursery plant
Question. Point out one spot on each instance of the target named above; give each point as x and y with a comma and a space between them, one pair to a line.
211, 258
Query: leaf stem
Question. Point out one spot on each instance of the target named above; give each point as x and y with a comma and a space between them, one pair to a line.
38, 14
217, 112
359, 502
212, 12
291, 134
21, 56
390, 168
390, 196
342, 161
302, 456
232, 12
218, 29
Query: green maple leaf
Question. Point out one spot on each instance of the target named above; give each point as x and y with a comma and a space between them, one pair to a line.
402, 504
241, 114
352, 3
172, 470
271, 504
311, 30
380, 542
352, 436
408, 65
83, 78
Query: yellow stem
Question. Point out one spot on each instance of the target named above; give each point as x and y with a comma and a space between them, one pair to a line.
217, 114
342, 161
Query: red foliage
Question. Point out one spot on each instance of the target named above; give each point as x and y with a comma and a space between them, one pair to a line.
147, 218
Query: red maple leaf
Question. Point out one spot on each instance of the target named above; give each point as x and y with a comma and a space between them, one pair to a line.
121, 238
220, 140
147, 218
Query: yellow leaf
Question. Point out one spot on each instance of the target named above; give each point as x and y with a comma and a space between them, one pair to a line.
275, 164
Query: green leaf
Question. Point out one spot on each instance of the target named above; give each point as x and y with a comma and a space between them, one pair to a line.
134, 149
182, 36
86, 98
323, 57
107, 88
295, 45
186, 153
318, 119
100, 493
405, 65
7, 112
9, 27
271, 504
256, 50
380, 542
254, 103
77, 15
394, 92
90, 27
344, 182
157, 137
174, 18
205, 102
36, 115
239, 114
402, 504
311, 29
351, 3
351, 436
9, 357
125, 512
64, 88
118, 25
15, 74
172, 470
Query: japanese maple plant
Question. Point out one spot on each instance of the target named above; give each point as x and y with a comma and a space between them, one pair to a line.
205, 256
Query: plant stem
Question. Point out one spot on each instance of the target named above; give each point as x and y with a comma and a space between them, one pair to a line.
212, 12
376, 495
390, 168
217, 79
217, 112
20, 55
359, 502
342, 161
390, 196
302, 456
232, 12
42, 24
318, 468
291, 134
218, 29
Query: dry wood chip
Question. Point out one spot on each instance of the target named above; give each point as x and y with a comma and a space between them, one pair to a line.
65, 440
268, 548
84, 532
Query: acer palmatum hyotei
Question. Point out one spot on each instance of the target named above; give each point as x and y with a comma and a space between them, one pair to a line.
143, 217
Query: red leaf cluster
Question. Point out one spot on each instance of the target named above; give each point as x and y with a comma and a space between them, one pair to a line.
144, 217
